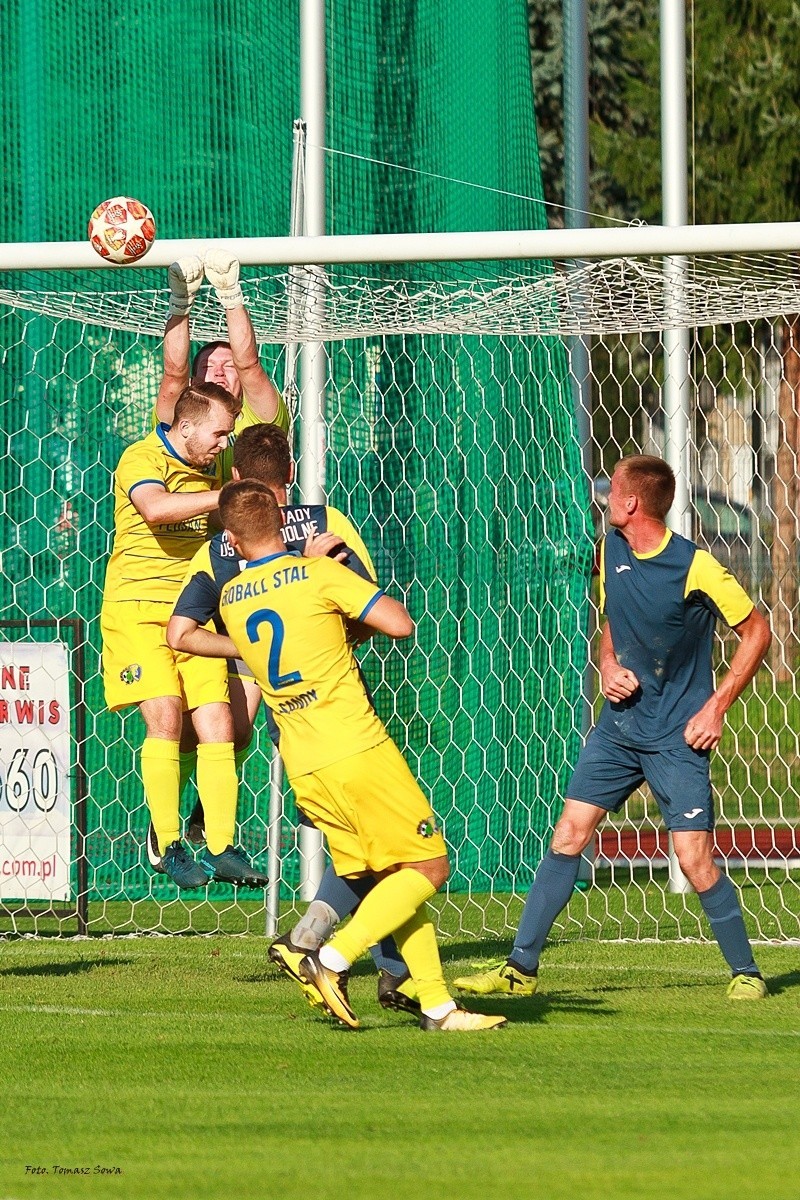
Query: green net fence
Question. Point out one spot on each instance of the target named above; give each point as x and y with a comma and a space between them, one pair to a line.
454, 455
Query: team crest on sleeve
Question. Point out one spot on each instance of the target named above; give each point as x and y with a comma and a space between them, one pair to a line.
428, 827
131, 674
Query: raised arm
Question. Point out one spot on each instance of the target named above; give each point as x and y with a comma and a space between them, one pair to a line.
185, 277
222, 272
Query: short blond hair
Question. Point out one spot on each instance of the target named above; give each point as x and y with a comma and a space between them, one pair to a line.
652, 481
194, 402
249, 510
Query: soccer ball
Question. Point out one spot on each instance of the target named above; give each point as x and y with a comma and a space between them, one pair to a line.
122, 230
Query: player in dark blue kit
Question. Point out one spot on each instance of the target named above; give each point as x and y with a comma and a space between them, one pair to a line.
262, 452
662, 597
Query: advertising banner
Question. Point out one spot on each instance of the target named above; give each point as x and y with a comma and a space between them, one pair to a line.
35, 765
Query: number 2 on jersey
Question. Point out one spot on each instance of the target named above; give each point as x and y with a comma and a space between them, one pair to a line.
268, 616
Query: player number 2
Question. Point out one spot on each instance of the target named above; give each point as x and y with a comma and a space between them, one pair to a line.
268, 616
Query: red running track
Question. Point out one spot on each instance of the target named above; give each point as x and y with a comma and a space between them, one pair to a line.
748, 843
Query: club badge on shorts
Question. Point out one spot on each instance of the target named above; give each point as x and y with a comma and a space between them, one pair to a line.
131, 674
428, 827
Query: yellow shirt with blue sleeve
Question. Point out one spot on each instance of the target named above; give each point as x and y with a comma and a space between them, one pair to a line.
148, 562
286, 615
245, 420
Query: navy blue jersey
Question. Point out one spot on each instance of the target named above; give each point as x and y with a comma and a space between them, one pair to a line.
217, 563
662, 609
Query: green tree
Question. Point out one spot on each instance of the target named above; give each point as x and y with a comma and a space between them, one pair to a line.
744, 64
612, 67
744, 111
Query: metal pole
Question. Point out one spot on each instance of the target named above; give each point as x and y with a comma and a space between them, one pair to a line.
576, 196
313, 358
576, 190
274, 843
677, 378
296, 277
296, 273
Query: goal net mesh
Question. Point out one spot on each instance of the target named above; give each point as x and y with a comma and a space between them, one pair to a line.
452, 445
451, 434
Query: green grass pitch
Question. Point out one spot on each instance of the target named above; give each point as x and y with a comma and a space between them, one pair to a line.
192, 1069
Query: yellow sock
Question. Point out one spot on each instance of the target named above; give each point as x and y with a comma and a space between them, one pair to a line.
392, 903
240, 756
188, 761
416, 941
218, 788
161, 777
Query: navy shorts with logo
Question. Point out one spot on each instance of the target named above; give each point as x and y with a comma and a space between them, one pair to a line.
606, 774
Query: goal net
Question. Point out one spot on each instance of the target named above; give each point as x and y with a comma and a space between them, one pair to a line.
453, 445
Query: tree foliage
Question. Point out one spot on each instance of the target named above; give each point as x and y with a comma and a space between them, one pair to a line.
744, 107
612, 65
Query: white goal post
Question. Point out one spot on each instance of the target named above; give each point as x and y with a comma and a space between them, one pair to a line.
449, 409
625, 241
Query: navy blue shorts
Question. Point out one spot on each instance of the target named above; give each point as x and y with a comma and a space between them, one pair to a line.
606, 774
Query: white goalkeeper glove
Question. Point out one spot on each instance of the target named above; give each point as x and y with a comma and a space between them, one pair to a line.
222, 272
185, 277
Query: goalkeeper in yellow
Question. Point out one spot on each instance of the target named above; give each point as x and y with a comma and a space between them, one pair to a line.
285, 616
165, 487
233, 364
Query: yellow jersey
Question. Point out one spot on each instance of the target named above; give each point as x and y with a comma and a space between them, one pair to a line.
245, 419
148, 563
286, 615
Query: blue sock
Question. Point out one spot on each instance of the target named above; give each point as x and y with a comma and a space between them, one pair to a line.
344, 896
550, 891
721, 906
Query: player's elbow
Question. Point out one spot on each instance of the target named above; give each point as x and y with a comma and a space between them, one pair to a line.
403, 626
177, 632
760, 632
391, 618
150, 508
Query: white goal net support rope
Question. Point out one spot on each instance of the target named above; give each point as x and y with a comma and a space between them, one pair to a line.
452, 442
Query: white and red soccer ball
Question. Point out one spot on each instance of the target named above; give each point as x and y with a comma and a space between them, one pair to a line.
122, 230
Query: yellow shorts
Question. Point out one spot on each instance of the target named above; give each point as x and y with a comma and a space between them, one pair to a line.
139, 665
372, 811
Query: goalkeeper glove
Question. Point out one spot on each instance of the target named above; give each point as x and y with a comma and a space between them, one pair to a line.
185, 277
222, 272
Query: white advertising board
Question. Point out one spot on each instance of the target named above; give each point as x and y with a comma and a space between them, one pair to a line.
35, 765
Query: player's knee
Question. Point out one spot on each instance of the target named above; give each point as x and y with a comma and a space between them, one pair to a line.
697, 864
441, 872
213, 722
163, 718
188, 739
436, 870
569, 837
242, 730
